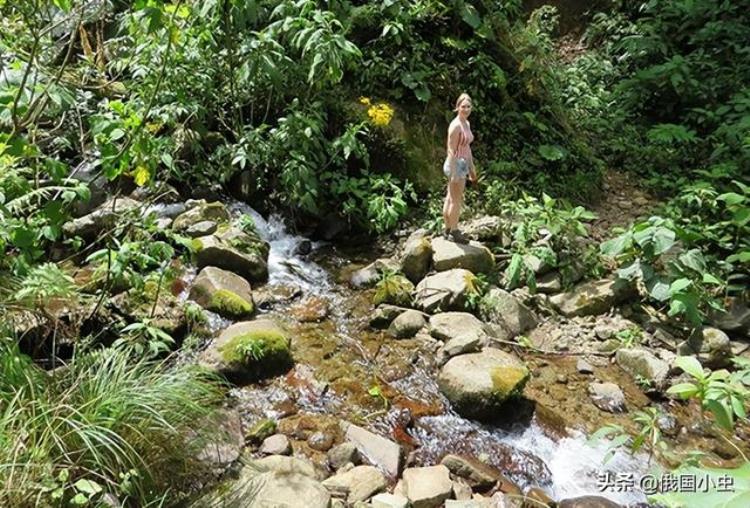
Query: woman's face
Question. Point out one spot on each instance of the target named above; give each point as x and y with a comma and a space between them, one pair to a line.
464, 109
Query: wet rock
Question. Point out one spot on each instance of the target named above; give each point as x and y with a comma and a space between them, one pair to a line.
584, 367
235, 251
223, 292
549, 283
97, 183
321, 441
395, 289
488, 228
370, 274
225, 445
202, 228
536, 264
311, 310
267, 296
710, 345
342, 454
249, 350
477, 384
641, 363
587, 502
386, 500
667, 424
278, 444
378, 450
539, 497
594, 297
202, 212
445, 291
477, 501
427, 487
415, 261
607, 397
105, 217
479, 475
384, 314
499, 306
358, 484
303, 248
407, 324
447, 255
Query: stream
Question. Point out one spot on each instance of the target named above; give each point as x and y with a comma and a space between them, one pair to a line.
346, 370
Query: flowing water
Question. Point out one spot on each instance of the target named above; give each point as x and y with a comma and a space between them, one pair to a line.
339, 361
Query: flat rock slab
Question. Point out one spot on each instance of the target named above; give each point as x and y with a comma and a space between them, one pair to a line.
607, 397
473, 256
642, 363
427, 487
594, 297
382, 452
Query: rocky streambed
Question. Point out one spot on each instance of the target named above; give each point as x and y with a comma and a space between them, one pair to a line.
346, 394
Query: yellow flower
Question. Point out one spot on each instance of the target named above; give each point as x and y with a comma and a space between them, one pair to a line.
364, 100
380, 114
141, 175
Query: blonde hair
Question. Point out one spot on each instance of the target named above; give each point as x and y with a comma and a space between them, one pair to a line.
463, 97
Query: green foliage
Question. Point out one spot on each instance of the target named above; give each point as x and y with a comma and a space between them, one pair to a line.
101, 424
722, 393
716, 492
630, 337
648, 434
142, 339
393, 288
264, 348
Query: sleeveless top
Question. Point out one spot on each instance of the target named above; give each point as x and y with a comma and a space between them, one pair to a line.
465, 137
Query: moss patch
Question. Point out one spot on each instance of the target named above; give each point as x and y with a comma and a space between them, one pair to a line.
229, 303
196, 245
260, 352
395, 289
508, 381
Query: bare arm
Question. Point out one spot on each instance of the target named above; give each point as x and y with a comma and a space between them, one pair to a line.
452, 144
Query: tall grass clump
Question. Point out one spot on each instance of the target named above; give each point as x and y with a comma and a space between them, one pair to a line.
103, 425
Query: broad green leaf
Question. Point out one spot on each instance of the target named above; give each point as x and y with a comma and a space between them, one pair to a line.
679, 285
630, 272
551, 152
89, 487
731, 198
694, 260
691, 365
710, 279
615, 246
663, 240
722, 414
658, 288
683, 390
471, 16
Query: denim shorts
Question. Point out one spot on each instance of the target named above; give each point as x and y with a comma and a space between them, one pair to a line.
462, 168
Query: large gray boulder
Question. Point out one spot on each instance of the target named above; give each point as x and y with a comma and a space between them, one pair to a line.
460, 331
415, 260
500, 307
641, 363
712, 347
736, 318
473, 256
427, 487
106, 216
488, 228
249, 350
233, 250
594, 297
369, 275
478, 474
477, 384
384, 315
223, 292
445, 291
201, 212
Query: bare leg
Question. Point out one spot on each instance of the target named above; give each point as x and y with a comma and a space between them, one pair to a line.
447, 208
456, 195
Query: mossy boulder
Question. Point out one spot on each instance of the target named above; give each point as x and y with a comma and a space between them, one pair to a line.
213, 212
394, 289
223, 292
417, 255
233, 250
478, 384
249, 350
500, 307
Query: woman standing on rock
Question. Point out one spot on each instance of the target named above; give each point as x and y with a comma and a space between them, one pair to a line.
459, 164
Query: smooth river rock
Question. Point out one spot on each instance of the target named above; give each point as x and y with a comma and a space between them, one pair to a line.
477, 384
